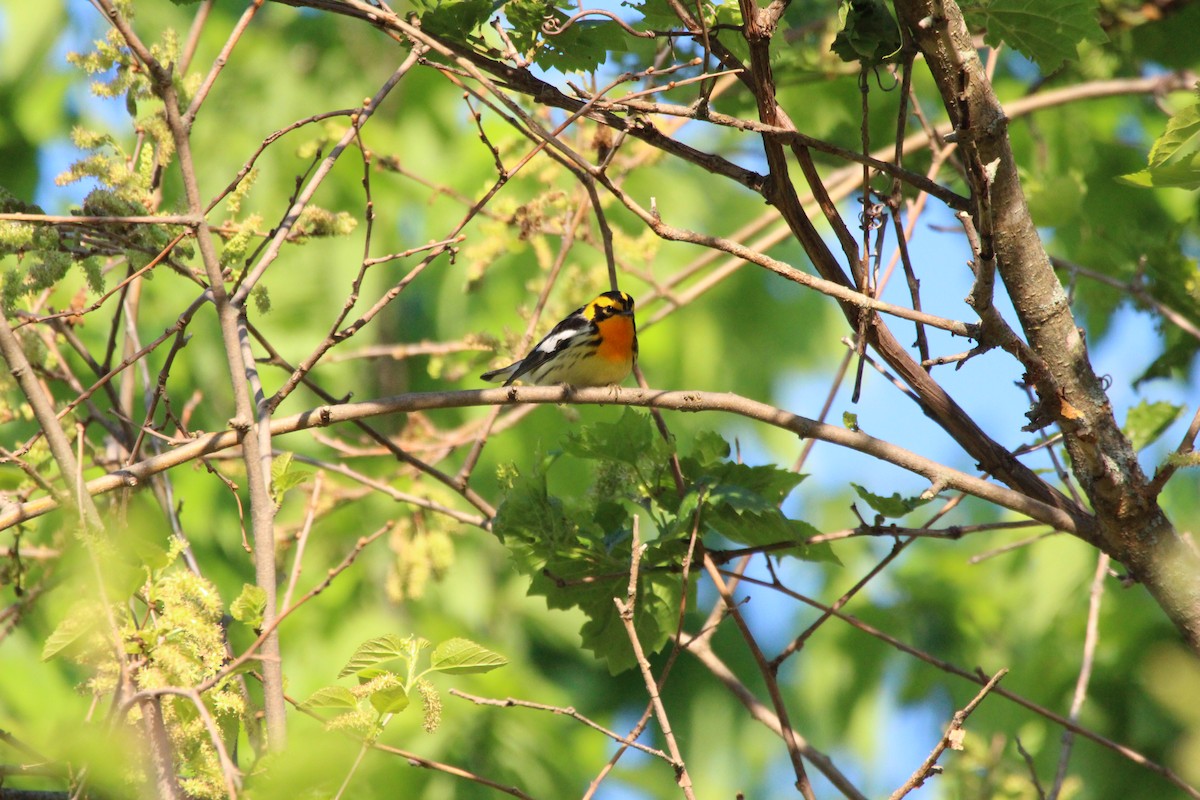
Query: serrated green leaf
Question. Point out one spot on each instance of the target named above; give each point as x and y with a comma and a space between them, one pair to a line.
464, 657
285, 476
894, 506
580, 47
656, 14
654, 619
630, 440
759, 528
456, 19
531, 523
335, 697
1181, 174
70, 634
1045, 32
742, 486
1180, 140
709, 449
250, 605
381, 650
1147, 421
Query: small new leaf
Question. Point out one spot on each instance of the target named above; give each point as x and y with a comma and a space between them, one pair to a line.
284, 476
390, 699
464, 657
250, 606
1147, 421
894, 506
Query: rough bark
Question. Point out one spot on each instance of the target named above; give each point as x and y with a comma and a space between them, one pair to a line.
1131, 526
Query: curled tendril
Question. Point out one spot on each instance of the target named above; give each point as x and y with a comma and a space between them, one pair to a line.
872, 216
552, 27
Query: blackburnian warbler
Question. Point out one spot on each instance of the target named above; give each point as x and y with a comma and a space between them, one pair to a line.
595, 345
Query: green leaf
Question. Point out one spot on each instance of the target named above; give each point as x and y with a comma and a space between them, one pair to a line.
1046, 32
250, 605
1175, 157
759, 528
70, 635
1147, 421
868, 33
709, 450
335, 697
285, 477
894, 506
455, 19
391, 699
581, 47
656, 14
654, 618
745, 487
1180, 139
464, 657
381, 650
531, 523
630, 440
1177, 175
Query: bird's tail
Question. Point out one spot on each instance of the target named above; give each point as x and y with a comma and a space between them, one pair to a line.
502, 374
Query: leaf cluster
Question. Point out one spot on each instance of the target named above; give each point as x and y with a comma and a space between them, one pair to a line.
577, 547
388, 670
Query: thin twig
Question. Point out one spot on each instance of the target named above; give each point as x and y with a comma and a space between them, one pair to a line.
945, 666
1090, 640
512, 702
625, 609
768, 674
952, 738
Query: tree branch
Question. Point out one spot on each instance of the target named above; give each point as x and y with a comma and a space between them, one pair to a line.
1130, 523
688, 401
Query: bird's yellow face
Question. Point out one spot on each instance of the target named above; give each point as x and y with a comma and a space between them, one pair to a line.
612, 313
609, 304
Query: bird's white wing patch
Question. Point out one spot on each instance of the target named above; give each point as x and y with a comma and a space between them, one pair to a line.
556, 340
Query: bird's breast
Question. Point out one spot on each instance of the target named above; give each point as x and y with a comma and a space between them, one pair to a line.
617, 335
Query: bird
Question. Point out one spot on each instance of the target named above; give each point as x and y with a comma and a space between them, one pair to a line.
594, 345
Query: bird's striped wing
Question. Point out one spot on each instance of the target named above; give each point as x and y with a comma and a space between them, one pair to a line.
558, 339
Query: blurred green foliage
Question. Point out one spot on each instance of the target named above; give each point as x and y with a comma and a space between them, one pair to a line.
562, 478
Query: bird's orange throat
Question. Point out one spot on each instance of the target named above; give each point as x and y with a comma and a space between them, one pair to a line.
616, 339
